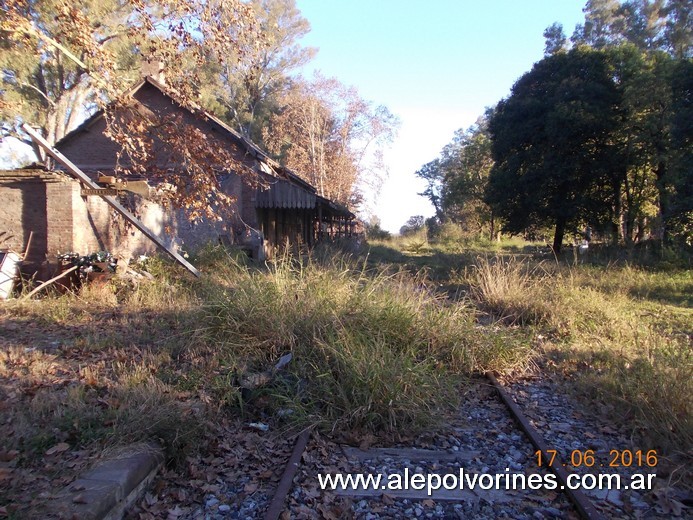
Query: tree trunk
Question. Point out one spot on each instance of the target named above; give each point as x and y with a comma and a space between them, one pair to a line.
660, 172
493, 227
627, 218
558, 236
616, 218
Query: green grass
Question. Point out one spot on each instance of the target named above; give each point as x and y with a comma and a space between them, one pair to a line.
371, 348
618, 321
379, 342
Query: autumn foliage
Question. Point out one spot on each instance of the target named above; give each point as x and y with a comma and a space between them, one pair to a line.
331, 136
186, 32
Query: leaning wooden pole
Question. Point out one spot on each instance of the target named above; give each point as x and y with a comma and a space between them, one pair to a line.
80, 175
54, 279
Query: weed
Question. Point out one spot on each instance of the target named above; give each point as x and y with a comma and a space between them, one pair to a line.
373, 348
511, 290
378, 343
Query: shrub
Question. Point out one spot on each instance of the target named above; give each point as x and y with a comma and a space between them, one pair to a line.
370, 349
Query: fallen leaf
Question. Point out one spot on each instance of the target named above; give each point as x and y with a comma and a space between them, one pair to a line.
668, 505
311, 492
366, 442
7, 456
58, 448
250, 487
266, 474
428, 503
329, 513
5, 473
79, 499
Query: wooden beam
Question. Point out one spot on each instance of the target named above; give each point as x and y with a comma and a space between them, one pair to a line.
80, 175
88, 192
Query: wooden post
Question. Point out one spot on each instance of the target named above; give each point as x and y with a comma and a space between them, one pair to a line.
54, 279
111, 201
319, 222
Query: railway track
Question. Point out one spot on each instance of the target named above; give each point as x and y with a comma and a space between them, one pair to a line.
491, 436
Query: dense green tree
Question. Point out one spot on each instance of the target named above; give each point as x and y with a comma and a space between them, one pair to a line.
433, 173
556, 40
456, 181
643, 24
650, 25
638, 139
680, 218
468, 162
644, 40
604, 22
678, 33
551, 143
374, 231
412, 225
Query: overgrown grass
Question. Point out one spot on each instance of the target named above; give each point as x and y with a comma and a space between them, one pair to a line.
377, 343
632, 349
511, 290
371, 349
618, 321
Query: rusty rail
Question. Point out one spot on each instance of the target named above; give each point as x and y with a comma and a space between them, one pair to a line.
583, 504
276, 507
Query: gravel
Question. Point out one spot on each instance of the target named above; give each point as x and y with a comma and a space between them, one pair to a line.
485, 439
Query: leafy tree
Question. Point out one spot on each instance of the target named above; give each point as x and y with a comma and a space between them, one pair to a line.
245, 91
468, 164
556, 40
434, 175
678, 33
642, 175
412, 225
603, 25
40, 82
327, 133
650, 25
551, 145
71, 47
644, 40
644, 22
374, 231
680, 218
456, 181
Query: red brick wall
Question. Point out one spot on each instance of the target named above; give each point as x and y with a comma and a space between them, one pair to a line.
51, 206
22, 210
90, 149
36, 202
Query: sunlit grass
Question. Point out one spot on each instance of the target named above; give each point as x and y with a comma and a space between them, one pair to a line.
379, 342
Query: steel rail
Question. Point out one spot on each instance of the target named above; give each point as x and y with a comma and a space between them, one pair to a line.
276, 507
583, 504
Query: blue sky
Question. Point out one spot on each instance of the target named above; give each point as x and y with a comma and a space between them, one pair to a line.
436, 64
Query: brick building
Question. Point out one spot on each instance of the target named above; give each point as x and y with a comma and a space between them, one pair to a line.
281, 209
